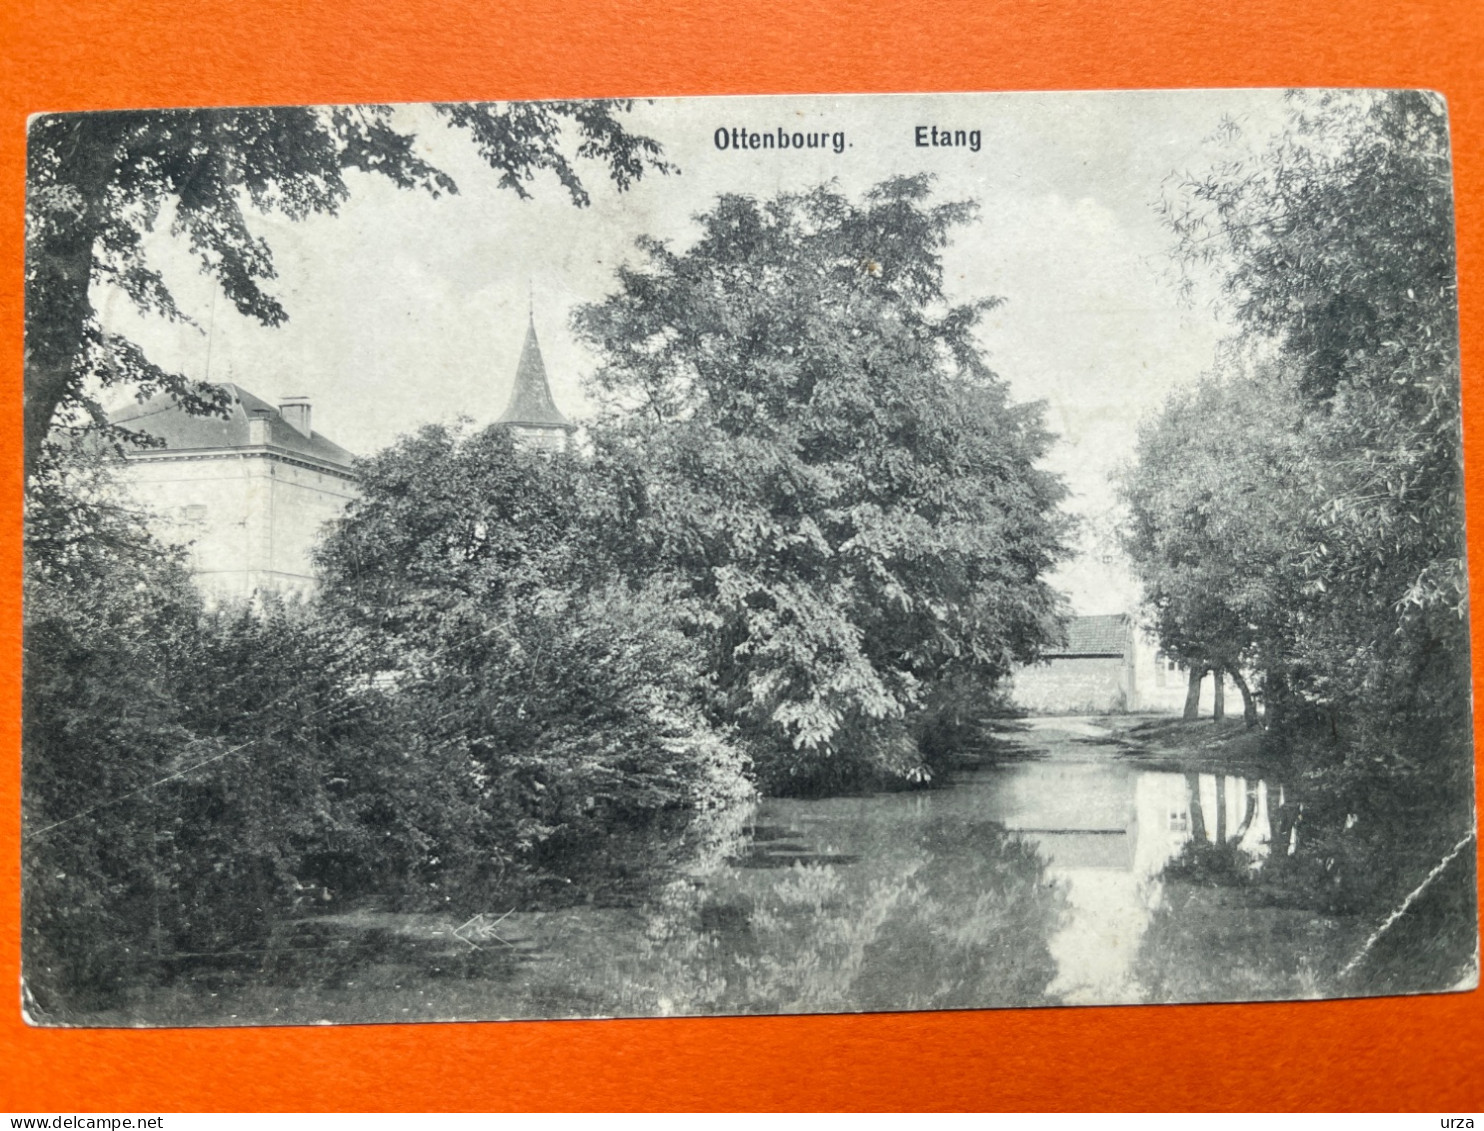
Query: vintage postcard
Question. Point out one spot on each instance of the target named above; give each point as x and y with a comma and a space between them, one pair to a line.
743, 555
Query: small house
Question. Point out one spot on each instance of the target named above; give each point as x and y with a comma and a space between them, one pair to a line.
1092, 673
1108, 665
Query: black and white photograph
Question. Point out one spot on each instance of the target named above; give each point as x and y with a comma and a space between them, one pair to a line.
748, 555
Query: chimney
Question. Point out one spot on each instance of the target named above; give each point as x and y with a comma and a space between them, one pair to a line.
257, 427
295, 410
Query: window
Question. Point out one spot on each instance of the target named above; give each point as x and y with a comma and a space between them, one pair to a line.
195, 512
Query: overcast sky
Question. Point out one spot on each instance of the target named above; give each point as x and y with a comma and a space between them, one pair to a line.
404, 309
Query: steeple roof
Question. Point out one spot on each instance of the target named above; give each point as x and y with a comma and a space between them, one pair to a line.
530, 403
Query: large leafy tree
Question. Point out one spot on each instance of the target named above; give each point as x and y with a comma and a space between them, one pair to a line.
1333, 247
1335, 243
830, 465
1307, 512
475, 577
98, 182
1216, 504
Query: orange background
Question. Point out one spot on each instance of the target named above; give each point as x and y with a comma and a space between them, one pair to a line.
1417, 1053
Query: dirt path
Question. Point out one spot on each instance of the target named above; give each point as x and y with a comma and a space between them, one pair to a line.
1154, 742
1072, 738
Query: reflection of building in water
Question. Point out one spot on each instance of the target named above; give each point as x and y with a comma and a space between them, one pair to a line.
1079, 815
1107, 830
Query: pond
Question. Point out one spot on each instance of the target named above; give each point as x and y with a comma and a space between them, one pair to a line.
1028, 883
1032, 881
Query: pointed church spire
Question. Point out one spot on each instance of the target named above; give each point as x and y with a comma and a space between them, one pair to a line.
531, 409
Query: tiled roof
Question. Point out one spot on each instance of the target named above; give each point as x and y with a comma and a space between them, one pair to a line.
1095, 636
530, 399
164, 419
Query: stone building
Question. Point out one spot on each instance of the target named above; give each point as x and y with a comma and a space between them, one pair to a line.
248, 495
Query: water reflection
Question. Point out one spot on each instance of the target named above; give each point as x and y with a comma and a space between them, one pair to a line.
1108, 831
880, 903
1025, 884
1076, 878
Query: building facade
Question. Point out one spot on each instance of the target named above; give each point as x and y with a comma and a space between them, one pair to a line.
1093, 673
247, 495
1108, 666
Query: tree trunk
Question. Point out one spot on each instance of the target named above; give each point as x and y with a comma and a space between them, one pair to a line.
1197, 814
1275, 700
59, 271
50, 350
1251, 811
1193, 694
1218, 694
1249, 705
1220, 808
1283, 823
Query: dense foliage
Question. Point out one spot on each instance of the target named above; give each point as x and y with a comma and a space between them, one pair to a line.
831, 469
478, 710
1298, 514
181, 775
1215, 526
191, 774
1312, 487
473, 578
